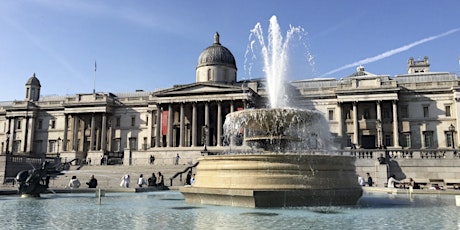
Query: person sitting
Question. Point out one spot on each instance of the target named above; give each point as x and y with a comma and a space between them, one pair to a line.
92, 183
392, 182
74, 183
152, 181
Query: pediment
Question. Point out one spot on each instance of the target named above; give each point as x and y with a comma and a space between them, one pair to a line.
199, 88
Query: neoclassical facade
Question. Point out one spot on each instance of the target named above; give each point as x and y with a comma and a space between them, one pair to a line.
417, 110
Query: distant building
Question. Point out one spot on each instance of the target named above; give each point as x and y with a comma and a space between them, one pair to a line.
417, 110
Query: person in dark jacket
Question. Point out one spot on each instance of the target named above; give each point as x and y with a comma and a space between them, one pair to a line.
92, 183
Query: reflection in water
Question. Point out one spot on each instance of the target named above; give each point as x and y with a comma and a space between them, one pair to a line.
167, 210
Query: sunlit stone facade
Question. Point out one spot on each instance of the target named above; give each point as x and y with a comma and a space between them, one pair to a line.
364, 110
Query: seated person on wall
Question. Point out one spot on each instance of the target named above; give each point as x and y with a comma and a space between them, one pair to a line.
92, 183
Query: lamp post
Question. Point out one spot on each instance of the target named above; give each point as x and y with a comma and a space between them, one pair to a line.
452, 130
8, 142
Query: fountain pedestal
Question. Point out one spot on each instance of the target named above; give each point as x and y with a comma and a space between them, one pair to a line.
274, 180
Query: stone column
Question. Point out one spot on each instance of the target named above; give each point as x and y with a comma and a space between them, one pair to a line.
109, 134
395, 125
151, 129
9, 138
355, 123
170, 125
194, 125
206, 123
219, 123
104, 133
76, 126
182, 126
232, 107
93, 132
158, 128
66, 130
340, 123
379, 124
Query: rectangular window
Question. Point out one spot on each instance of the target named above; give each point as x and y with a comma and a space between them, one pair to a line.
406, 140
331, 114
447, 108
428, 137
449, 139
51, 147
146, 120
53, 124
144, 146
387, 140
133, 143
426, 112
19, 124
16, 146
117, 145
117, 122
133, 121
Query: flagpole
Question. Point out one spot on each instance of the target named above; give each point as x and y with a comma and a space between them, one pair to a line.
94, 85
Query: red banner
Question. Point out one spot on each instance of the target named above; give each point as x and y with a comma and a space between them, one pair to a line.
164, 122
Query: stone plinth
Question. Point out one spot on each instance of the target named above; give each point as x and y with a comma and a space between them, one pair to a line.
274, 180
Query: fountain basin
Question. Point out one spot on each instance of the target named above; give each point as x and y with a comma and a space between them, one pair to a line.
274, 180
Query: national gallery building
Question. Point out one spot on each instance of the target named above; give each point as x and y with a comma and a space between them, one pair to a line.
415, 110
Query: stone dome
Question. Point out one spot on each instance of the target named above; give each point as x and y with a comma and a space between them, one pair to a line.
216, 54
33, 81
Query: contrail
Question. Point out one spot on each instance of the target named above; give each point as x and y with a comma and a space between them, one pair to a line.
391, 52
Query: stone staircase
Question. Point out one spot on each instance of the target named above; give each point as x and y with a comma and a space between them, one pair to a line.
109, 176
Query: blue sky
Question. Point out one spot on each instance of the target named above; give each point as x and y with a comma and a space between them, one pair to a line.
149, 44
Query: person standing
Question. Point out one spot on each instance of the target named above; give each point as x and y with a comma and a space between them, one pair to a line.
125, 181
74, 183
192, 180
141, 181
361, 180
177, 159
370, 182
188, 178
92, 183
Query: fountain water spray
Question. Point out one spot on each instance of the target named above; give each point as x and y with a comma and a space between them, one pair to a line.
275, 57
279, 127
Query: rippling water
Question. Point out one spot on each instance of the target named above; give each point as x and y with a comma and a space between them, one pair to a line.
167, 210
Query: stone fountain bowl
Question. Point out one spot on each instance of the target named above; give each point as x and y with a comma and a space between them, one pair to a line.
275, 180
270, 120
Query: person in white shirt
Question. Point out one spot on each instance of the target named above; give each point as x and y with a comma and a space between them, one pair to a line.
392, 182
125, 181
74, 183
141, 181
361, 181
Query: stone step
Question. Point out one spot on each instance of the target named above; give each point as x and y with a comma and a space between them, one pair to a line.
109, 176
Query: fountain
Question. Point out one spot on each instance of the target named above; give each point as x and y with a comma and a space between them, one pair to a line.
31, 183
289, 164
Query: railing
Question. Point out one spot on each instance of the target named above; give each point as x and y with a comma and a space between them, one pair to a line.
180, 173
404, 153
366, 153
